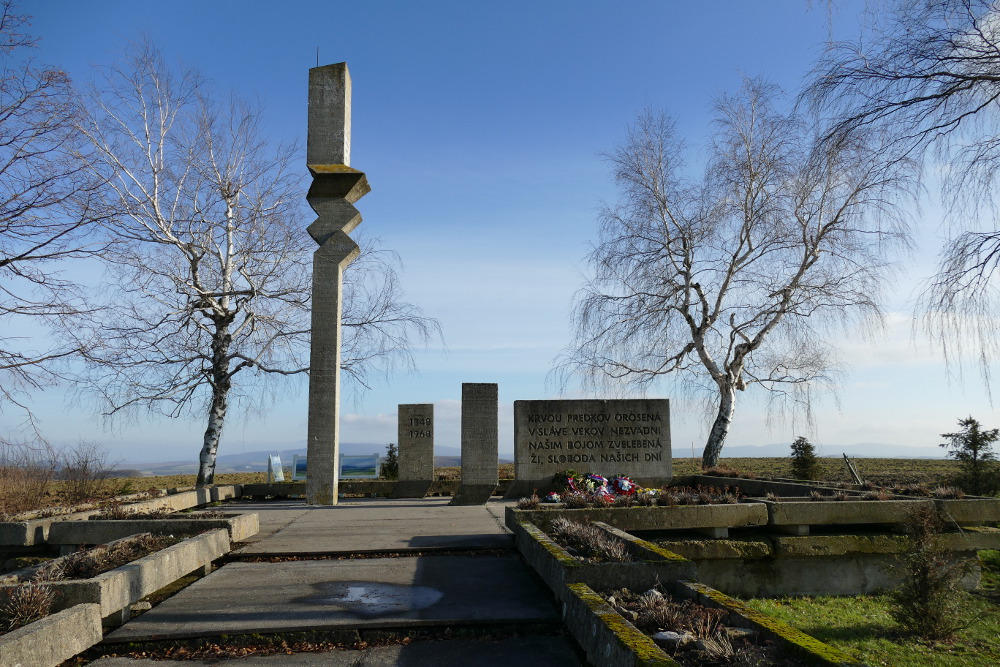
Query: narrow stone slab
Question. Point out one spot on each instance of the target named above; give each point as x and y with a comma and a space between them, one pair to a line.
416, 450
370, 525
480, 442
330, 594
56, 638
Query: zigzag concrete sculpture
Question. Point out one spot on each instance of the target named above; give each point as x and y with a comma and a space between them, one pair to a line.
334, 190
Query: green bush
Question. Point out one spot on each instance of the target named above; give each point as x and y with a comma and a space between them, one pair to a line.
390, 464
804, 462
930, 601
973, 448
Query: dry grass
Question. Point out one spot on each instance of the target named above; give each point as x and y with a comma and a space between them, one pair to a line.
588, 541
20, 491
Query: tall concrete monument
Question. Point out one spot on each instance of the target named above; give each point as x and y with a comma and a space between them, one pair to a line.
334, 190
480, 443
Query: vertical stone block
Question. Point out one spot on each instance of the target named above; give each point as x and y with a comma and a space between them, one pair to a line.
480, 443
334, 190
329, 133
416, 450
606, 436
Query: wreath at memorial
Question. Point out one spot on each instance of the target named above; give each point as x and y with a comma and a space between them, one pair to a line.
593, 486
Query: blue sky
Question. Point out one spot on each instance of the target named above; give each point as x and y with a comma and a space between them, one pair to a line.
480, 127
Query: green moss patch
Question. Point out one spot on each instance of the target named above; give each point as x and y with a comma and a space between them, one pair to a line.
648, 654
808, 647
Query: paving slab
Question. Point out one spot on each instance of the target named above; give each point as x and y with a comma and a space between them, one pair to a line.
360, 525
536, 651
426, 591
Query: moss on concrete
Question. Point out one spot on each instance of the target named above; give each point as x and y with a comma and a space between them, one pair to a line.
647, 653
548, 544
809, 648
706, 549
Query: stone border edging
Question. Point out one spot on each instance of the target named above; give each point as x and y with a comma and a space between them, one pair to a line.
116, 590
805, 646
736, 515
50, 641
558, 568
100, 531
32, 532
605, 636
614, 641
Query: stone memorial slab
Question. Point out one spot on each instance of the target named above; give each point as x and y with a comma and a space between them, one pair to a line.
480, 443
610, 437
416, 450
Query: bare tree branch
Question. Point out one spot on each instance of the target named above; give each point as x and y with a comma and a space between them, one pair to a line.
927, 74
46, 209
209, 278
737, 280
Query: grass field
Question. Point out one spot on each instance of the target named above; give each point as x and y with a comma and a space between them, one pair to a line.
863, 627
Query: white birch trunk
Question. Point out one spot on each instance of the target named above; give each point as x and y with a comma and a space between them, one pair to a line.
720, 428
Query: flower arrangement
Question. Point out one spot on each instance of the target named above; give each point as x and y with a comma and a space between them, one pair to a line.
594, 488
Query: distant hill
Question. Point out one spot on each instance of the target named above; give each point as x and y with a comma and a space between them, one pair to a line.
257, 461
451, 456
866, 450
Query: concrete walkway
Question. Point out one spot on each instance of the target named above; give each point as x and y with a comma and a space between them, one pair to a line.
364, 566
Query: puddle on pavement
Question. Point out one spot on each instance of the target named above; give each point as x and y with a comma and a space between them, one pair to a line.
373, 599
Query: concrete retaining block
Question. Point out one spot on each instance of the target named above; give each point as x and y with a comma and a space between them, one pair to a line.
52, 640
675, 517
846, 512
32, 532
100, 531
842, 564
24, 533
186, 499
607, 638
971, 511
117, 589
558, 568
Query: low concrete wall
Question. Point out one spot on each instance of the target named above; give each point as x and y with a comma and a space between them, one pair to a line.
187, 499
52, 640
737, 515
33, 532
971, 511
101, 531
558, 568
24, 533
849, 564
607, 638
117, 589
841, 512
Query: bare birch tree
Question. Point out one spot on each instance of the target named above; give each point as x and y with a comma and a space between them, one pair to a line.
927, 73
44, 210
210, 268
738, 278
